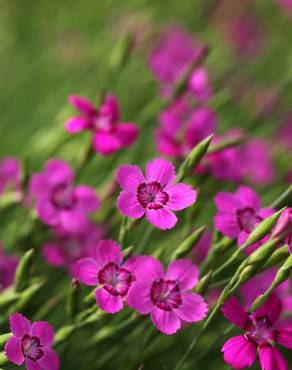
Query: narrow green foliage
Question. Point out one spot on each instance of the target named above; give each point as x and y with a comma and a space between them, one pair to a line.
23, 270
188, 244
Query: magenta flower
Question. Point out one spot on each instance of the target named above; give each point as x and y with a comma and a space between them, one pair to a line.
182, 127
8, 266
167, 297
10, 174
109, 134
283, 227
31, 343
58, 202
174, 52
239, 213
68, 248
154, 196
106, 271
287, 4
261, 335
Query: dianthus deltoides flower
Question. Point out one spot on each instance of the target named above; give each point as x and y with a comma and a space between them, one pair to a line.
239, 213
7, 268
261, 335
109, 133
58, 202
166, 296
154, 196
106, 271
67, 248
10, 174
31, 343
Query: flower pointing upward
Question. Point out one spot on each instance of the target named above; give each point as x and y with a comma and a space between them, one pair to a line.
110, 134
156, 195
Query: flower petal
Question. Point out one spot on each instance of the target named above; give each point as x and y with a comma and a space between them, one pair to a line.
47, 212
266, 212
39, 186
74, 221
87, 200
272, 359
50, 360
44, 331
227, 224
184, 272
193, 308
285, 337
108, 251
180, 196
129, 205
130, 177
108, 302
247, 197
160, 170
83, 105
162, 218
148, 269
139, 298
235, 313
127, 133
13, 350
271, 309
165, 321
53, 255
76, 124
19, 325
239, 352
32, 365
58, 171
86, 271
106, 144
226, 202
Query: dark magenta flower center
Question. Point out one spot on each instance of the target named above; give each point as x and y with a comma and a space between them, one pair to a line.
261, 331
115, 279
31, 347
151, 195
165, 294
247, 219
63, 197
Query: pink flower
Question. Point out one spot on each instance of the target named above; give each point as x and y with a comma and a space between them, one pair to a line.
110, 134
69, 248
106, 271
260, 335
284, 227
154, 196
287, 4
182, 127
8, 266
167, 297
174, 52
58, 202
31, 343
239, 213
10, 174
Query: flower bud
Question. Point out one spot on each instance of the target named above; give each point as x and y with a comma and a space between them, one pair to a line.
194, 158
188, 244
283, 228
73, 299
203, 283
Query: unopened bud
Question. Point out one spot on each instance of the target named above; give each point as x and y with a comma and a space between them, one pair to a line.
203, 283
188, 244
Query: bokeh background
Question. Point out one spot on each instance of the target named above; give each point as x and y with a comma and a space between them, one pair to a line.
51, 48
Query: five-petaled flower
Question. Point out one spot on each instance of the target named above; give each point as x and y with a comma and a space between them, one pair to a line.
156, 195
239, 213
110, 134
10, 174
261, 334
106, 271
58, 202
167, 296
31, 343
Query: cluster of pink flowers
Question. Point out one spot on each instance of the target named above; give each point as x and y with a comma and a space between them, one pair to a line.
8, 266
142, 283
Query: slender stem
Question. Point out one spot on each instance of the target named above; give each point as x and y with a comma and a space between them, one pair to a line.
282, 197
